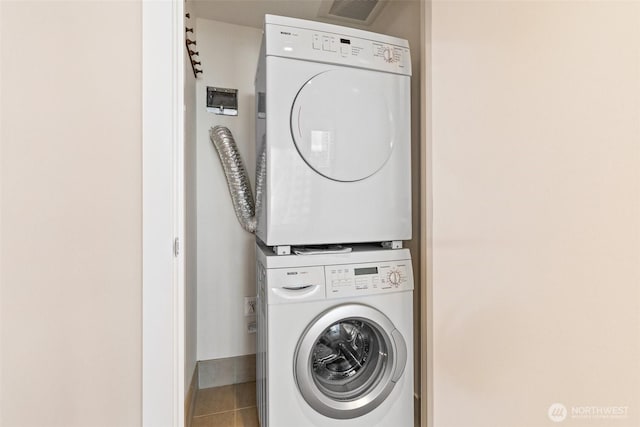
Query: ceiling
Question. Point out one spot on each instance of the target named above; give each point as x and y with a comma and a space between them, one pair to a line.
251, 12
399, 18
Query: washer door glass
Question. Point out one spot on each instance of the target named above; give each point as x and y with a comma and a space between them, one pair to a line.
348, 361
342, 125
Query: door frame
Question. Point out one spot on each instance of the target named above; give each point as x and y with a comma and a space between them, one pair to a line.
163, 267
426, 222
163, 282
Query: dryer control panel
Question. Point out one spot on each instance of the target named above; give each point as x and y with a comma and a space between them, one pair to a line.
364, 50
358, 279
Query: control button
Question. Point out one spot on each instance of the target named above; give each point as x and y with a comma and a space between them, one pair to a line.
326, 43
316, 42
344, 50
398, 55
329, 44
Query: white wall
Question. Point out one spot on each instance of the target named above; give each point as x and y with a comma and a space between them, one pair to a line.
191, 232
70, 203
240, 46
226, 259
536, 211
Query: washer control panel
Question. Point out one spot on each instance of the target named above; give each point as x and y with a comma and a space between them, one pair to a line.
357, 279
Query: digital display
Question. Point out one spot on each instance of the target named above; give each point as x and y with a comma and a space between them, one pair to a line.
367, 270
345, 41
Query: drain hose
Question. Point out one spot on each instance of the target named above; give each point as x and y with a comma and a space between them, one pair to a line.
237, 180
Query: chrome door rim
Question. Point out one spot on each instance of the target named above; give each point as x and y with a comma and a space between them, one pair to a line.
378, 389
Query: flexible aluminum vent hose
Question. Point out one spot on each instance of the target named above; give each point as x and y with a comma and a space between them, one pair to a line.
237, 179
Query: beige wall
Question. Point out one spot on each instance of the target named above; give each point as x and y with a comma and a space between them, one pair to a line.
70, 207
536, 211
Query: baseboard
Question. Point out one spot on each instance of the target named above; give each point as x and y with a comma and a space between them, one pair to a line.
230, 370
190, 399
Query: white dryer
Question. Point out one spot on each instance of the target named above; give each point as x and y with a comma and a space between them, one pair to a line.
333, 119
335, 339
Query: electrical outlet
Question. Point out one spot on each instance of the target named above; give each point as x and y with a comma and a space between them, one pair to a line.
252, 327
250, 306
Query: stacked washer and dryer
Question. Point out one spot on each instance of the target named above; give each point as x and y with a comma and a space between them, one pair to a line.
335, 328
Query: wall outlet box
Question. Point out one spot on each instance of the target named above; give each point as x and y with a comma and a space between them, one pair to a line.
250, 306
222, 101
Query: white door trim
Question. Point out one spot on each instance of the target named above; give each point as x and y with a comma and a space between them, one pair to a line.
163, 312
426, 223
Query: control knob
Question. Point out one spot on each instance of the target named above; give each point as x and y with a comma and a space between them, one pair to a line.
394, 277
387, 53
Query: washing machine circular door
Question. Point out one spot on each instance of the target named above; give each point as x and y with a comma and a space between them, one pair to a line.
348, 361
342, 122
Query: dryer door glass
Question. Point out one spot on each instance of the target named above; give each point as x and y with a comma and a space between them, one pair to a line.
342, 123
348, 361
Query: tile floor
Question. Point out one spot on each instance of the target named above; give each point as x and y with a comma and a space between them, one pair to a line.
226, 406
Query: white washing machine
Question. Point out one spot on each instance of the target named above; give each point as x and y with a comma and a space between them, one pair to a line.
335, 334
333, 118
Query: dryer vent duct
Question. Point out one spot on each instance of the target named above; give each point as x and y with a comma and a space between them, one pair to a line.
361, 12
237, 179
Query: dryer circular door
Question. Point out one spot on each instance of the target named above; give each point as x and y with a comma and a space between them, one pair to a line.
342, 123
348, 360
